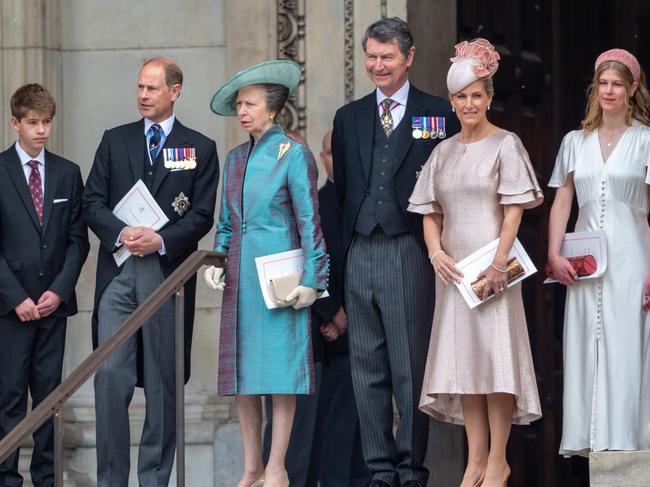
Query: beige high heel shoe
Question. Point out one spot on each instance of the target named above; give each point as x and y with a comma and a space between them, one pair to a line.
259, 482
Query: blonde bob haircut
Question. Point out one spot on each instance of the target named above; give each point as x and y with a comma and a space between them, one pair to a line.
637, 105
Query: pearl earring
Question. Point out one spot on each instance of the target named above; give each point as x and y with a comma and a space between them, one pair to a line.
453, 109
488, 107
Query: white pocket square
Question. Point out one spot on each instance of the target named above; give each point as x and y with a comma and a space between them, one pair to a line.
60, 200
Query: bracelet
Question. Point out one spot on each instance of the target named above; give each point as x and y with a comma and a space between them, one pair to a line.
433, 256
498, 269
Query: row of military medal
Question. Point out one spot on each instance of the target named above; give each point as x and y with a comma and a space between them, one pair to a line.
428, 127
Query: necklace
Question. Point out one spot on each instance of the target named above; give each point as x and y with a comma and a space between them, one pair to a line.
611, 136
465, 143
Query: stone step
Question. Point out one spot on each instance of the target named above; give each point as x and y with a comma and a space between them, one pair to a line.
70, 478
619, 469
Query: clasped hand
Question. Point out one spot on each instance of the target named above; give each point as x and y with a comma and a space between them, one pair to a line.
47, 304
141, 241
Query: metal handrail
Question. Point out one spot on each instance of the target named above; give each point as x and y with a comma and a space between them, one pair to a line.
52, 405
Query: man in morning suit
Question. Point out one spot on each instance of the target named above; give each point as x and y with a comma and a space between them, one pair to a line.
388, 278
187, 196
43, 245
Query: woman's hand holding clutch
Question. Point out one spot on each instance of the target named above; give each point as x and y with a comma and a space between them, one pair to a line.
214, 278
496, 281
563, 271
445, 267
302, 296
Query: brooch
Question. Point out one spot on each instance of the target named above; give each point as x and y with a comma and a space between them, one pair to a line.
282, 150
181, 204
181, 158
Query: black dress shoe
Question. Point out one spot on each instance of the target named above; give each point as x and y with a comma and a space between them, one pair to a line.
378, 483
413, 483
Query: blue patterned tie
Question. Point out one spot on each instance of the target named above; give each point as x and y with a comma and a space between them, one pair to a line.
154, 141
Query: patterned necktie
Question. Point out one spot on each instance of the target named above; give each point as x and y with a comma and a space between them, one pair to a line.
36, 189
154, 141
386, 118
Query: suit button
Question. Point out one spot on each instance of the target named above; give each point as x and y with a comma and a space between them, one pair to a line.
150, 173
41, 273
380, 202
383, 173
381, 188
44, 246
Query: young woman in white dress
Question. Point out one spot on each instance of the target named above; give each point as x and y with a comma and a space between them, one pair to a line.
606, 325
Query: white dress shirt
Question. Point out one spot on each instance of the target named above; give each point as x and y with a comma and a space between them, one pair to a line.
400, 96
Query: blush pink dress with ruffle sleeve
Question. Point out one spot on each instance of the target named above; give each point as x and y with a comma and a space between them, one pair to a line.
486, 349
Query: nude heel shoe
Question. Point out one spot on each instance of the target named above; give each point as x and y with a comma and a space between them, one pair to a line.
479, 482
259, 482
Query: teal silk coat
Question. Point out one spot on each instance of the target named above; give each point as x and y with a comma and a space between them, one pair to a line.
269, 204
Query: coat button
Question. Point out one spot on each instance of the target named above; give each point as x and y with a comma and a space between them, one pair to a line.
41, 273
44, 246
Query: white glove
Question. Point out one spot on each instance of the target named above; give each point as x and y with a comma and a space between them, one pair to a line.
302, 296
214, 278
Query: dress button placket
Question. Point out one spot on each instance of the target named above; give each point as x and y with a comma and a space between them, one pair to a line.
599, 311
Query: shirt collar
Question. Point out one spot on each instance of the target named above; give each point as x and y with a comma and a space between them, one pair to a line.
400, 96
25, 157
165, 125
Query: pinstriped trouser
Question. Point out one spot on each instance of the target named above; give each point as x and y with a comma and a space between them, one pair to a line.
389, 300
116, 378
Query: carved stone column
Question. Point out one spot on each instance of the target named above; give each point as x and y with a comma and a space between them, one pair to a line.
30, 52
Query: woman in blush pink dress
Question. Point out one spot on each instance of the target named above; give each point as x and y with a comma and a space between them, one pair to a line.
472, 190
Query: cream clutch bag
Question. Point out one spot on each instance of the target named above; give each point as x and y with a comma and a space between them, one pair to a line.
282, 286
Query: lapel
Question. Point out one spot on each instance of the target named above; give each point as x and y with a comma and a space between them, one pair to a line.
365, 118
51, 182
177, 138
135, 148
414, 107
17, 175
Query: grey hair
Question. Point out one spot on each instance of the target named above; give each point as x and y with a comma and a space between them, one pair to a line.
276, 96
385, 30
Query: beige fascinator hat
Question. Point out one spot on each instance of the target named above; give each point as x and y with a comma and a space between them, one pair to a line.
474, 60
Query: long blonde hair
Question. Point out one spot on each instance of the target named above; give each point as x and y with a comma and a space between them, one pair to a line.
638, 105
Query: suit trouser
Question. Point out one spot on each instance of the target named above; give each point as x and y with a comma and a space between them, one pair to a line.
389, 300
116, 379
31, 357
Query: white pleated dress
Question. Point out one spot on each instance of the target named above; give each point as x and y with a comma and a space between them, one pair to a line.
606, 332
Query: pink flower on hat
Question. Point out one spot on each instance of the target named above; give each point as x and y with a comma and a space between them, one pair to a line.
485, 59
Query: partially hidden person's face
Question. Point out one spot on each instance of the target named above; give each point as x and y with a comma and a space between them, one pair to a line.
252, 110
612, 92
326, 155
471, 104
386, 65
33, 131
155, 98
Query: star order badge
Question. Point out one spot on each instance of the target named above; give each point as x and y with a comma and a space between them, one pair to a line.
181, 204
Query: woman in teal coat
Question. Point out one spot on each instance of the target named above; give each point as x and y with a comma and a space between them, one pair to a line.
269, 204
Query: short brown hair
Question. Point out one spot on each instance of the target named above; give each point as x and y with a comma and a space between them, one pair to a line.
32, 97
173, 74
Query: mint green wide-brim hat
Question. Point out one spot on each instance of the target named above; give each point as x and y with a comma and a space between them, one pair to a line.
280, 72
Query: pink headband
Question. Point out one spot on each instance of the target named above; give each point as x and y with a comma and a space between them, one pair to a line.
621, 56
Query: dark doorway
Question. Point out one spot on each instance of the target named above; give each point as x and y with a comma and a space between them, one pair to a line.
548, 49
